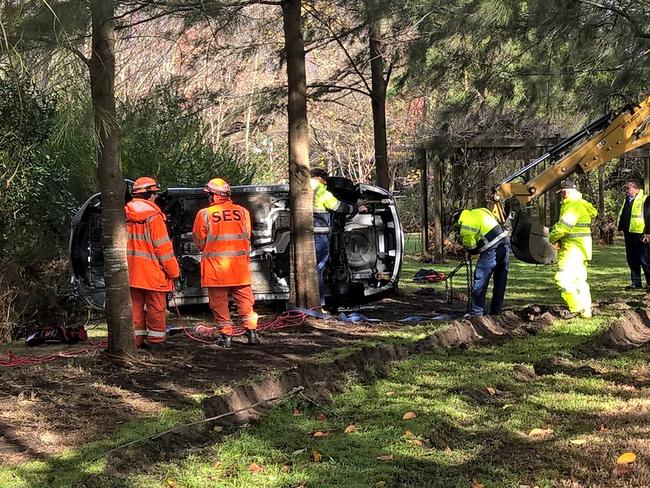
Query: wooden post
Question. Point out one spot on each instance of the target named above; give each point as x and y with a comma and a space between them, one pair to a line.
424, 199
436, 169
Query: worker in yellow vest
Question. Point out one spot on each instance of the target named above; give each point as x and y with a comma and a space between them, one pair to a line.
325, 204
572, 237
481, 234
634, 222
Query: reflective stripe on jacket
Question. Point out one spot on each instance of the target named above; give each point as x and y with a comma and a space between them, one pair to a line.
637, 222
573, 229
222, 232
324, 203
480, 230
149, 252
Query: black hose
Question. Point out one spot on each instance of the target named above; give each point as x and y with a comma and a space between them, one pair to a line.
470, 282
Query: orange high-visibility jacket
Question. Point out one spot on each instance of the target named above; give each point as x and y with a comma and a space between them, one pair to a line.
149, 252
222, 232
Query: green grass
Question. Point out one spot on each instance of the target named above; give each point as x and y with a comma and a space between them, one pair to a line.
530, 283
461, 439
68, 468
457, 438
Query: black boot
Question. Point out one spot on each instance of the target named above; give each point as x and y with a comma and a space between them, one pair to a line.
224, 341
252, 336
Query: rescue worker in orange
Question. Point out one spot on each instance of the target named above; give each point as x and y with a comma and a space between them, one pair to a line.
152, 264
222, 232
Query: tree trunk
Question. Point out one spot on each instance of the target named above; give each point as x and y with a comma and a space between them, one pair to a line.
424, 199
646, 173
378, 97
601, 192
121, 341
302, 234
436, 170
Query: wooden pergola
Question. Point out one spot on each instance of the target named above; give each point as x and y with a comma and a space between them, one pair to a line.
431, 153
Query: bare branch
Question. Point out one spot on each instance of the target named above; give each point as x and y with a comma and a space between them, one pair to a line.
337, 88
342, 46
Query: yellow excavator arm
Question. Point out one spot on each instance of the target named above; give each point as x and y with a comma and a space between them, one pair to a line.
607, 138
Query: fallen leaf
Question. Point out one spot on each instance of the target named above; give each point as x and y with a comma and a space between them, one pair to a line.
318, 434
171, 483
540, 432
217, 428
477, 484
255, 468
602, 428
216, 463
386, 457
285, 468
448, 450
626, 458
321, 417
578, 442
490, 390
316, 456
380, 484
299, 451
507, 406
409, 416
417, 442
390, 393
297, 412
408, 433
350, 428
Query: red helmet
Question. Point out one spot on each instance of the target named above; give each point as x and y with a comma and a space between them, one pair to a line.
144, 185
218, 186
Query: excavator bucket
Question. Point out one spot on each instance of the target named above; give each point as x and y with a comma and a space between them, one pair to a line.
529, 239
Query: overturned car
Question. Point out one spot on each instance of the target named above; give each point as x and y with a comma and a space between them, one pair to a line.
366, 249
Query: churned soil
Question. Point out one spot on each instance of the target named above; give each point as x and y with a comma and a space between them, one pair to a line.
59, 405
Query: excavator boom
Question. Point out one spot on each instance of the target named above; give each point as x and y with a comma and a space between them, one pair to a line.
605, 139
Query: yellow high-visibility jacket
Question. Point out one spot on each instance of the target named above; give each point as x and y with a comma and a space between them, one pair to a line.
573, 228
480, 230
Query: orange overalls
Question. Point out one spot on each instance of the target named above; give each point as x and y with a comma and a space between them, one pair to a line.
222, 232
152, 267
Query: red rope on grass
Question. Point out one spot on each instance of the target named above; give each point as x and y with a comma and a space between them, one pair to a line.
9, 359
285, 320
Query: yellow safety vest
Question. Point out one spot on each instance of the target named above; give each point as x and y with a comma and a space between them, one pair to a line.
324, 203
637, 222
479, 229
574, 226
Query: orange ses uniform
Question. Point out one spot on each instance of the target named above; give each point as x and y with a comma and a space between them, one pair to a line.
222, 232
152, 267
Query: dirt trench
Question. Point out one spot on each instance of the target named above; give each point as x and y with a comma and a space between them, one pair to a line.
319, 381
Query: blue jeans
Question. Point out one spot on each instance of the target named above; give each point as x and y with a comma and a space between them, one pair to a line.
495, 262
322, 245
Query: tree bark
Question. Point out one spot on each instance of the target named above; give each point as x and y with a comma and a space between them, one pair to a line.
302, 234
121, 341
436, 170
378, 97
424, 199
601, 192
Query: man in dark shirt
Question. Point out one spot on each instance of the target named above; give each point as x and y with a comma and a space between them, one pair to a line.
634, 222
